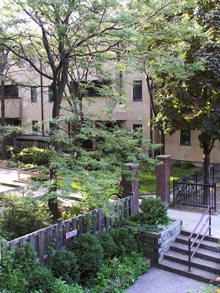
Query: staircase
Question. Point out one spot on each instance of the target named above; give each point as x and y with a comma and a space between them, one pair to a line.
205, 265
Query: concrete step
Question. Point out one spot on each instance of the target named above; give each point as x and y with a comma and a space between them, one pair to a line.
201, 252
209, 238
182, 269
197, 262
206, 243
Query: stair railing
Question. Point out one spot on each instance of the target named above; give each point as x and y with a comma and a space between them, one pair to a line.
202, 228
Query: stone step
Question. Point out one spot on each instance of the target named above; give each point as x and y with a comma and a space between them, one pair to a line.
206, 243
209, 238
182, 269
201, 252
197, 262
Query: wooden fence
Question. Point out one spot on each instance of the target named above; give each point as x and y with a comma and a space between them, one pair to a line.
60, 234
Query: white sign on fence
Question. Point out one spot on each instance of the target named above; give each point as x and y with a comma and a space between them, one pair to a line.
71, 234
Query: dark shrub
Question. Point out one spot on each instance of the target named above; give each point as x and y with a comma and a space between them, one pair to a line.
154, 211
124, 240
89, 252
64, 265
110, 248
41, 278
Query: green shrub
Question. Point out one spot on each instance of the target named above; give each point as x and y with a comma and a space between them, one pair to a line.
23, 216
61, 286
25, 259
124, 240
64, 265
41, 278
110, 248
33, 155
119, 273
154, 211
89, 252
16, 266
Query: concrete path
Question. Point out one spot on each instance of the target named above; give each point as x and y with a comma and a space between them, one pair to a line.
160, 281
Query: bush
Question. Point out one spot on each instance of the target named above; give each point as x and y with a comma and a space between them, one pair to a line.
110, 248
34, 156
119, 273
154, 212
41, 278
89, 252
61, 286
16, 266
64, 265
22, 216
124, 240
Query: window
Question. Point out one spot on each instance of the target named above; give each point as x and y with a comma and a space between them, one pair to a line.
185, 137
33, 94
137, 131
50, 94
34, 126
11, 91
137, 90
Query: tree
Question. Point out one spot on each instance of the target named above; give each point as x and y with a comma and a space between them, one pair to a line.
63, 36
183, 60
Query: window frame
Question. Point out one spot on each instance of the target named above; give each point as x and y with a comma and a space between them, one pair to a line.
33, 94
137, 90
185, 138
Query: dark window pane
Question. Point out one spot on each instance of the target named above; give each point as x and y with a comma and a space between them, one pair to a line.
33, 94
185, 137
137, 90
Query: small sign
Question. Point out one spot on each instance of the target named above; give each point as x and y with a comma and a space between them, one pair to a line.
71, 234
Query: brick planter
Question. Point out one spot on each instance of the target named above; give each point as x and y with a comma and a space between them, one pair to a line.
155, 245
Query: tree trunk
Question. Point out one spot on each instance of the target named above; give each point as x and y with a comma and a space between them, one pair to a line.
3, 147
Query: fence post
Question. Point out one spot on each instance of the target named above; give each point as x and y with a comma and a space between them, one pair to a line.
130, 184
163, 178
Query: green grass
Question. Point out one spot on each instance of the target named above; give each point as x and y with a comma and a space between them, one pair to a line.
148, 180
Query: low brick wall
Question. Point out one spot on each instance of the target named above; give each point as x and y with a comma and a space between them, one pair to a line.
155, 245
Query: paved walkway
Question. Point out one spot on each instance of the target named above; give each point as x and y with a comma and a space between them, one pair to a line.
160, 281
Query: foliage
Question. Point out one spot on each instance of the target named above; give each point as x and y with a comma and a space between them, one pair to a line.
117, 274
41, 278
110, 247
16, 266
33, 155
64, 264
89, 252
124, 240
61, 286
22, 216
153, 212
208, 289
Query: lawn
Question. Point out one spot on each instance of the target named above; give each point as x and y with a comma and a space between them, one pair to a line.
148, 180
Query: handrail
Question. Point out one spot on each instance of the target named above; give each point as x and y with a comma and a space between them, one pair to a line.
206, 224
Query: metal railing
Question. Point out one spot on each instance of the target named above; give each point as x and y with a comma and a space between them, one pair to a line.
201, 230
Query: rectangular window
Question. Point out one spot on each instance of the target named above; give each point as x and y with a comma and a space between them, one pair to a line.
185, 137
33, 94
50, 94
34, 126
11, 91
137, 90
